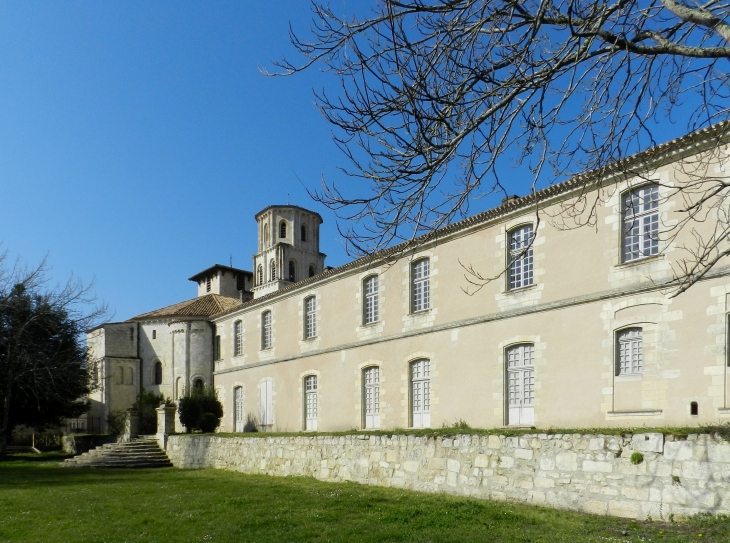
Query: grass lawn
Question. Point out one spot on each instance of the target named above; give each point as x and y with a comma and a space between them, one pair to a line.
41, 502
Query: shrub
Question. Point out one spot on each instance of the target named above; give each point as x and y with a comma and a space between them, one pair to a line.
197, 403
147, 404
115, 420
208, 423
636, 458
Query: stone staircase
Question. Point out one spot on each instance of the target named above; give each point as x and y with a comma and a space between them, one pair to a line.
142, 452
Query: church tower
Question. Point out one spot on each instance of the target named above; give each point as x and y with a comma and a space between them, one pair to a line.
288, 249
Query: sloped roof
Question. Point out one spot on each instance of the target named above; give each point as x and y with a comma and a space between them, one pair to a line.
693, 142
206, 271
204, 306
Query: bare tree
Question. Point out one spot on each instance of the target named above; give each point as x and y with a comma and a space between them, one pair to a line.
440, 99
45, 373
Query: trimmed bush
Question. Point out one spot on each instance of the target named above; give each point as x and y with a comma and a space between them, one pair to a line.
208, 423
195, 406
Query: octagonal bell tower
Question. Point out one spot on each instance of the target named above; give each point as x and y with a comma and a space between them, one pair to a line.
288, 249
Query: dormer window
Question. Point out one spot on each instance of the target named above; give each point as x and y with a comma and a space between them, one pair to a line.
282, 229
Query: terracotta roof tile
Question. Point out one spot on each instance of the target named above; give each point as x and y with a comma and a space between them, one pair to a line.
204, 306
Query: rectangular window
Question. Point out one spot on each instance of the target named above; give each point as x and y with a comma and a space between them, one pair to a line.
154, 334
421, 295
630, 356
238, 409
266, 404
237, 338
217, 348
520, 384
310, 402
370, 306
421, 393
266, 330
310, 317
371, 396
640, 209
520, 257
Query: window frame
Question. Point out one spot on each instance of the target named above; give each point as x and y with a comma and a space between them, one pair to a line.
238, 409
635, 368
303, 232
515, 381
267, 335
370, 300
158, 373
217, 347
311, 398
424, 282
425, 391
641, 235
260, 274
238, 338
310, 317
282, 229
272, 270
520, 267
371, 389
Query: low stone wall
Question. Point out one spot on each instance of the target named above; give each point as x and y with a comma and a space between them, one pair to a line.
591, 473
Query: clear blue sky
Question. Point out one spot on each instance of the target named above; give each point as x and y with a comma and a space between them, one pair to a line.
138, 139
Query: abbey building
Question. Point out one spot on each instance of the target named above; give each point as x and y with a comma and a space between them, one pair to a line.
572, 326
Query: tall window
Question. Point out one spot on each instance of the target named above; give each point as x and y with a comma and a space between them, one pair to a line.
217, 348
310, 317
641, 223
237, 338
266, 403
240, 282
421, 393
266, 330
630, 356
311, 271
370, 300
292, 271
304, 232
520, 257
272, 268
207, 284
520, 384
310, 402
266, 235
282, 229
421, 292
238, 415
198, 384
260, 273
371, 396
158, 373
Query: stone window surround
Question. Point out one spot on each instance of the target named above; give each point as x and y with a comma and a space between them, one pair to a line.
302, 394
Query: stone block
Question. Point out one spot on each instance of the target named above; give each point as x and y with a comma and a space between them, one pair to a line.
391, 456
567, 461
650, 442
506, 462
451, 478
597, 444
718, 452
693, 469
524, 454
678, 450
635, 492
625, 509
547, 464
410, 466
453, 465
592, 465
594, 507
481, 461
535, 496
494, 442
544, 482
437, 463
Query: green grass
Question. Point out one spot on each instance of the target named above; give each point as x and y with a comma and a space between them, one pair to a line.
43, 503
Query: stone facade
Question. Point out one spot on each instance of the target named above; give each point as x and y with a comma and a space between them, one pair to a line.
590, 473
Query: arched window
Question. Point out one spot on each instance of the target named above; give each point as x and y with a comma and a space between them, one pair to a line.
158, 373
520, 257
520, 365
310, 317
421, 287
421, 393
260, 274
282, 229
237, 338
311, 270
292, 271
371, 396
304, 232
629, 351
266, 330
238, 416
198, 384
265, 242
370, 299
310, 403
272, 268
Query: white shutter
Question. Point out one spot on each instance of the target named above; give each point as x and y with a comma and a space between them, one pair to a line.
265, 407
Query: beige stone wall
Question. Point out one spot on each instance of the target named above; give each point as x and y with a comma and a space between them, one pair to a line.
582, 295
591, 473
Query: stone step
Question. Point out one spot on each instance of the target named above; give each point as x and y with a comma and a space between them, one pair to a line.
143, 452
